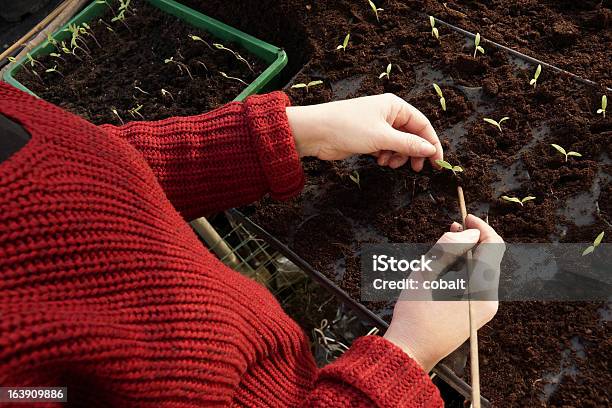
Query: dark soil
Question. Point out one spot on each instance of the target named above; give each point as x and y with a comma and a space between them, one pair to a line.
128, 70
573, 35
529, 353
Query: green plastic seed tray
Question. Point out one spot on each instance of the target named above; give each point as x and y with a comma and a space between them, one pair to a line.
274, 56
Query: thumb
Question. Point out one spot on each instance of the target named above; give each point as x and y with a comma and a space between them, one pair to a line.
404, 143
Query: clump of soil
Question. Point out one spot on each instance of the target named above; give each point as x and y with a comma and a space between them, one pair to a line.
128, 70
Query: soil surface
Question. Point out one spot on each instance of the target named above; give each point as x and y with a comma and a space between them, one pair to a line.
126, 68
533, 354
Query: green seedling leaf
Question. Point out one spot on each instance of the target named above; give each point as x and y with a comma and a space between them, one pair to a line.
559, 149
355, 178
298, 86
314, 83
512, 199
588, 250
444, 164
598, 239
538, 71
528, 198
438, 90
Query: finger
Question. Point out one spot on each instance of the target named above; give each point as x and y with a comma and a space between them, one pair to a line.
397, 160
456, 227
487, 233
383, 157
417, 163
450, 247
406, 144
411, 120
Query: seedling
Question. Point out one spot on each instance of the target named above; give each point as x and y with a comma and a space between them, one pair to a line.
141, 90
32, 61
167, 93
375, 9
136, 111
307, 86
224, 75
596, 243
117, 115
387, 73
344, 43
446, 165
196, 38
236, 55
354, 176
604, 105
563, 152
534, 81
434, 29
520, 201
54, 69
124, 6
477, 47
496, 123
442, 99
181, 66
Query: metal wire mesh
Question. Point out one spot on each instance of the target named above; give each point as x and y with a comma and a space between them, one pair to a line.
331, 326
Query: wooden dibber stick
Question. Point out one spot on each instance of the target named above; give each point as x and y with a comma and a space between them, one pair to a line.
474, 367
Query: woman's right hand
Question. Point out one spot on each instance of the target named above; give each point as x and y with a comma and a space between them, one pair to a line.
428, 331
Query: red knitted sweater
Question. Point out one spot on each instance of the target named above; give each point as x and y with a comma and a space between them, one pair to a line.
105, 289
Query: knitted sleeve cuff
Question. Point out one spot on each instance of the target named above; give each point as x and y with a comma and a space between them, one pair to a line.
274, 143
385, 373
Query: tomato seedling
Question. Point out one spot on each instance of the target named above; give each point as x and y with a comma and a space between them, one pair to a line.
434, 30
200, 39
563, 152
496, 123
536, 75
375, 9
477, 47
446, 165
442, 99
235, 54
604, 105
387, 72
344, 43
520, 201
307, 86
596, 243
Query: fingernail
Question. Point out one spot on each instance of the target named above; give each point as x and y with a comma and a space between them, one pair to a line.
426, 149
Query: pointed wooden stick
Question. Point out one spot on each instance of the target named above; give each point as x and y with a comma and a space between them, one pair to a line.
474, 367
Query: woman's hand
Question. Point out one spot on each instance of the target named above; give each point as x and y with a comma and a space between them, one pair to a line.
384, 126
428, 331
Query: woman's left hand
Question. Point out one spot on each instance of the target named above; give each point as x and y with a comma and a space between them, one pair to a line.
384, 126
